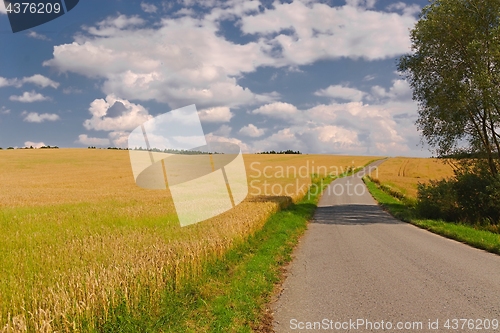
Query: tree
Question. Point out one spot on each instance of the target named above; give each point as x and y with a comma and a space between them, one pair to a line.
454, 72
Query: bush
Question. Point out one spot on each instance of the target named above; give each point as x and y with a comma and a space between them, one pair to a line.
478, 196
472, 196
437, 200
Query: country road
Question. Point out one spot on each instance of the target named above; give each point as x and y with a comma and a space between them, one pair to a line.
357, 266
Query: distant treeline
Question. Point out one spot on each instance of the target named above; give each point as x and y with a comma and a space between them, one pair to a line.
31, 147
281, 152
167, 151
462, 155
114, 148
175, 151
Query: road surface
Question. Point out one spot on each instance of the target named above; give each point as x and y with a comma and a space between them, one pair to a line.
357, 269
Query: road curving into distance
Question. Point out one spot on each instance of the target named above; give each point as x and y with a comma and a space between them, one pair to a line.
358, 269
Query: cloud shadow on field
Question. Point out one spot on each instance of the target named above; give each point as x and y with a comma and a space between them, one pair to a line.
353, 215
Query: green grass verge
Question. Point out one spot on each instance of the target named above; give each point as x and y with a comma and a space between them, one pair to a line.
467, 234
233, 292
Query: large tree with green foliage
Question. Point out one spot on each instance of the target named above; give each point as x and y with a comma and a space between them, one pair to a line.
454, 71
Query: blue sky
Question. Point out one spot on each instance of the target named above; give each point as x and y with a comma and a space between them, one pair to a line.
314, 76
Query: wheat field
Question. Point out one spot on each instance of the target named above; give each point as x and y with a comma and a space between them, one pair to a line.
404, 173
79, 237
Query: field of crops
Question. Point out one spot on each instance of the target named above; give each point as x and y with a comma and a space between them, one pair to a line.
79, 237
404, 174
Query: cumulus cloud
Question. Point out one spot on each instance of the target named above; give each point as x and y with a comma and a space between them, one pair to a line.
29, 97
33, 117
378, 121
148, 8
183, 62
216, 115
252, 131
90, 141
34, 144
36, 79
112, 25
341, 92
277, 110
104, 118
404, 8
399, 91
41, 81
116, 116
186, 60
324, 32
353, 127
4, 82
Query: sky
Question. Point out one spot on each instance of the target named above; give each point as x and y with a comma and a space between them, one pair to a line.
315, 76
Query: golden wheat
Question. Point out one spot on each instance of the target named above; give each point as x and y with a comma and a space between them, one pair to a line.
78, 236
404, 173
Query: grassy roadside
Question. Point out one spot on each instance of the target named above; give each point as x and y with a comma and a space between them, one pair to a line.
404, 211
232, 294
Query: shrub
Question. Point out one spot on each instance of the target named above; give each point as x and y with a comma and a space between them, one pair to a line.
472, 196
437, 200
478, 196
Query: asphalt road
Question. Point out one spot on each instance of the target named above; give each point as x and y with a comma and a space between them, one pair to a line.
357, 265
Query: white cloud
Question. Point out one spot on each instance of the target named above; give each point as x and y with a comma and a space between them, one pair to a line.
34, 117
404, 8
216, 114
382, 125
120, 139
399, 91
116, 116
112, 25
36, 35
185, 61
3, 82
4, 110
36, 79
89, 141
148, 8
324, 32
361, 3
341, 92
34, 144
127, 115
251, 131
277, 110
41, 81
29, 97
